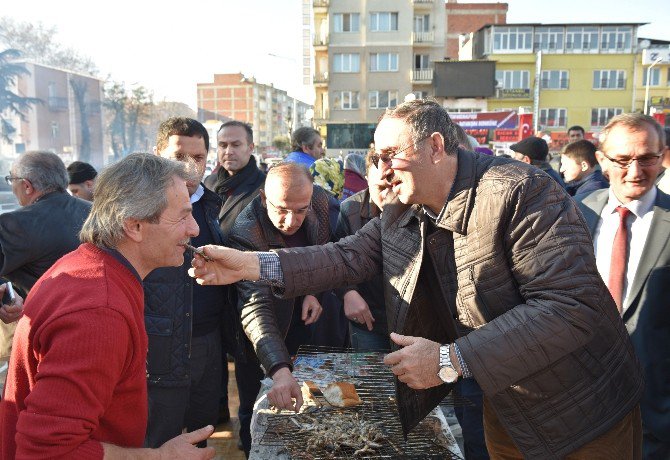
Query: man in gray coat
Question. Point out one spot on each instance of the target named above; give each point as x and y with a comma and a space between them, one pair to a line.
479, 261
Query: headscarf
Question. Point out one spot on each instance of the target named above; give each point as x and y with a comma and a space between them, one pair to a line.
329, 175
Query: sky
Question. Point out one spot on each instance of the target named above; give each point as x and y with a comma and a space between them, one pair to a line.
168, 46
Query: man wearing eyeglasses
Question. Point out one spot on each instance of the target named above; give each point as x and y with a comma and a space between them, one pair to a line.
488, 274
47, 225
290, 212
630, 224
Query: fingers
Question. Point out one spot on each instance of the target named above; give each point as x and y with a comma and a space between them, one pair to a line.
392, 358
196, 436
207, 453
402, 340
297, 394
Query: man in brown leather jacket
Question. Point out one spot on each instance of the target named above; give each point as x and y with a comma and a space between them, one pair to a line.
488, 272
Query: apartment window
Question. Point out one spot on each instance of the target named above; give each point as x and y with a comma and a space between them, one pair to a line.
52, 89
553, 118
422, 23
554, 79
616, 39
383, 21
421, 61
512, 39
581, 39
513, 79
346, 22
55, 130
383, 62
600, 116
345, 100
382, 99
654, 76
420, 94
609, 79
549, 39
346, 62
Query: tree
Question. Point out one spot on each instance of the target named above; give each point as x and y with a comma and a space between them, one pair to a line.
10, 102
129, 118
282, 143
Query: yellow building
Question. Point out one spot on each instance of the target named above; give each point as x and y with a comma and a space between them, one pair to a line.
565, 74
658, 99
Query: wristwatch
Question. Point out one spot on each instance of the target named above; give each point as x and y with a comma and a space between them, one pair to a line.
447, 372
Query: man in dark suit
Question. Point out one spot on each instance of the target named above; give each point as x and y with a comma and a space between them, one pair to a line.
630, 225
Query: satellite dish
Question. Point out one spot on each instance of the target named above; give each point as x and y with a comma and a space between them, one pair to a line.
644, 44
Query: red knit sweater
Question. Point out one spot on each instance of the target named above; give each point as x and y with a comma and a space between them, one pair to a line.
77, 375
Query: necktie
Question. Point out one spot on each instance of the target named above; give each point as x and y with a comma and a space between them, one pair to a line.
617, 276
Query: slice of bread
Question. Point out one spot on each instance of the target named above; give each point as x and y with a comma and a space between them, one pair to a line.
308, 395
341, 394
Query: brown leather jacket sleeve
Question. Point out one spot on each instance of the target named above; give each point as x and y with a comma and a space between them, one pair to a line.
550, 255
350, 261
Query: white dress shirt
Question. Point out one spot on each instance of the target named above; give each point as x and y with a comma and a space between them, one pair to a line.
638, 223
198, 194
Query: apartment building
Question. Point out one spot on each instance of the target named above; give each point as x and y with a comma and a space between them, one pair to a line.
56, 125
369, 55
653, 59
566, 74
269, 110
463, 18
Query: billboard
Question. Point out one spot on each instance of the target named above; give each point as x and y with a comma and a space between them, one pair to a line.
464, 79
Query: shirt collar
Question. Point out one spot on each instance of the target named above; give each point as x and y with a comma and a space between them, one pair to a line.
125, 262
198, 194
638, 207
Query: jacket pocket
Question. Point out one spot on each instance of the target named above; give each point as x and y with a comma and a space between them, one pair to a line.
159, 331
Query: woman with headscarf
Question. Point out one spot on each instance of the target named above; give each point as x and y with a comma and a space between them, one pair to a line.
354, 175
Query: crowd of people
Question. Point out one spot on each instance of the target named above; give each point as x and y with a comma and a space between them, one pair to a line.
537, 296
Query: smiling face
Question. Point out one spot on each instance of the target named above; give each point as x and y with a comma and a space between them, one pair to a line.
233, 148
624, 143
189, 149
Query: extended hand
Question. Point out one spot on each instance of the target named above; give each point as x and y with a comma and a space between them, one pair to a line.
10, 313
311, 309
417, 364
356, 309
182, 446
284, 390
227, 266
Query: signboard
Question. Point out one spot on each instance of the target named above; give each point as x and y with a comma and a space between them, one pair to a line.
516, 93
486, 120
649, 56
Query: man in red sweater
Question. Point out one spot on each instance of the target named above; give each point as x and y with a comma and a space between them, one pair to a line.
76, 386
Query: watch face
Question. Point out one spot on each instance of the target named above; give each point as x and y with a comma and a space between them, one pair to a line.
448, 374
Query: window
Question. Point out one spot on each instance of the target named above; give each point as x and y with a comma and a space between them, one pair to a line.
553, 118
512, 39
346, 22
420, 94
383, 22
554, 79
382, 99
513, 79
549, 39
55, 130
383, 62
654, 76
616, 39
346, 62
609, 79
422, 23
581, 39
421, 61
600, 116
345, 100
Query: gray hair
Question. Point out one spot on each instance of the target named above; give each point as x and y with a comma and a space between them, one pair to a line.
425, 117
303, 136
134, 188
634, 122
45, 171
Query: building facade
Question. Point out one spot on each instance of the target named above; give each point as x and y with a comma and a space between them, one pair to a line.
269, 110
465, 18
658, 96
565, 74
69, 120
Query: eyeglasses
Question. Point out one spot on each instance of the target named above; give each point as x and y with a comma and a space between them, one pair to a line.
9, 179
389, 153
646, 160
285, 212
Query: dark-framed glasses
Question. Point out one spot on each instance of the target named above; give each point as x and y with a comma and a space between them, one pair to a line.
387, 154
648, 159
285, 212
9, 179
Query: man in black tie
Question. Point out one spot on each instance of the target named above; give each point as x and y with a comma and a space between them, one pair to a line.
630, 225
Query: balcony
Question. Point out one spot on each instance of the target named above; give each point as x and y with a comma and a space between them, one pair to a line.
320, 42
422, 76
516, 93
321, 115
320, 5
423, 3
423, 37
57, 104
321, 79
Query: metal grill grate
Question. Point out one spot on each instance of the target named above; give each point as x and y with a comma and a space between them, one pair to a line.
375, 386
